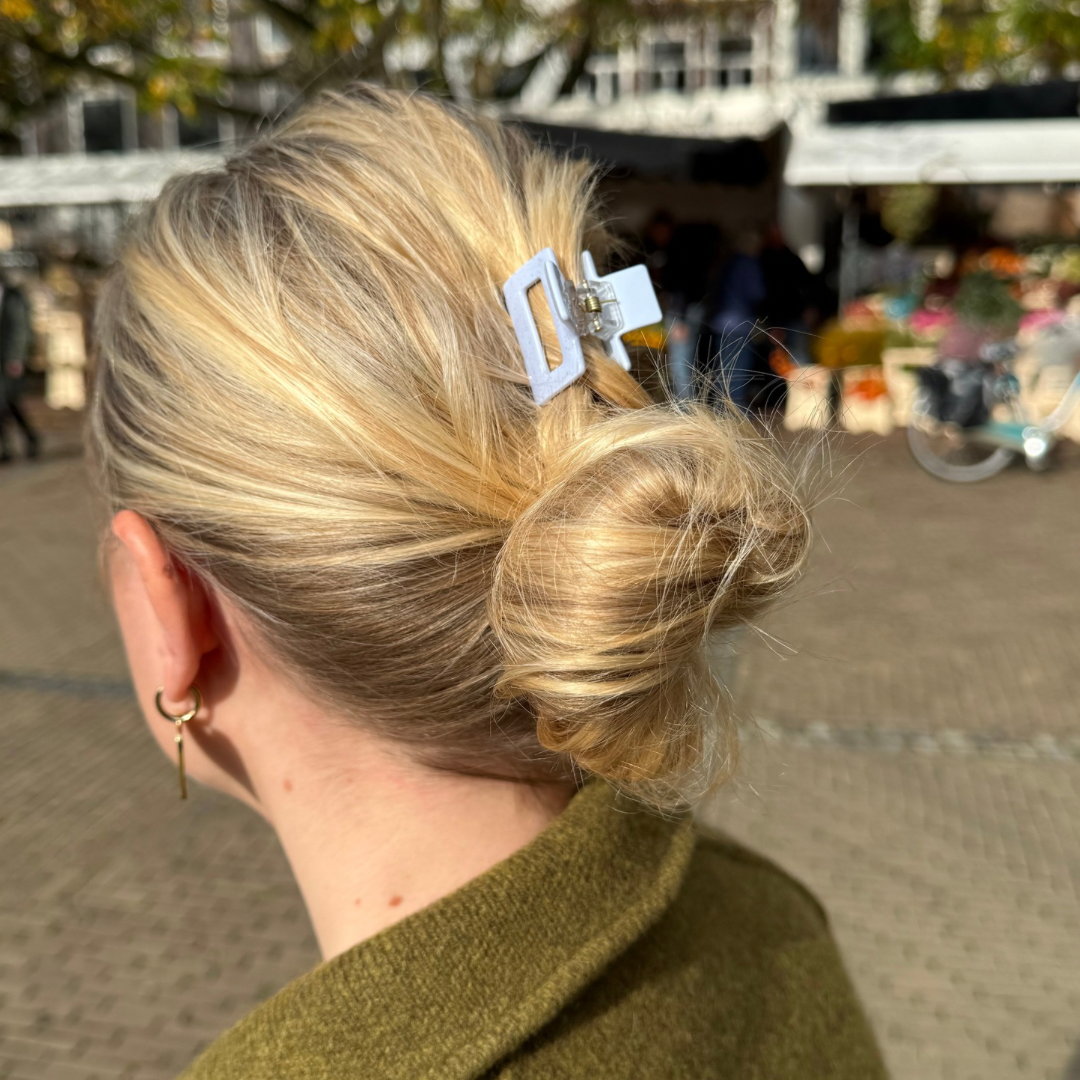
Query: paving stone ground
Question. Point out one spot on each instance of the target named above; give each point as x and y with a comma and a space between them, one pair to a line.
913, 764
951, 883
931, 606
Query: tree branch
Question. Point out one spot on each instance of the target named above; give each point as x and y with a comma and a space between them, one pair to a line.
81, 62
254, 75
360, 61
577, 64
505, 82
289, 17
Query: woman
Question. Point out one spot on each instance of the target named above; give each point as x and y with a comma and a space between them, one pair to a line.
447, 641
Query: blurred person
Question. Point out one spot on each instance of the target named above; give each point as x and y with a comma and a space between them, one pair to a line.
15, 341
786, 316
656, 244
447, 641
681, 346
731, 322
684, 283
787, 307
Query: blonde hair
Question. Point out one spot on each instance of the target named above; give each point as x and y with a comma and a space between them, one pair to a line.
309, 385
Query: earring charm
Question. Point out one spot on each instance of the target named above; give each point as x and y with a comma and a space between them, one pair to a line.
180, 719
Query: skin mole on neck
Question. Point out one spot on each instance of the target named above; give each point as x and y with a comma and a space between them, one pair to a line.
394, 901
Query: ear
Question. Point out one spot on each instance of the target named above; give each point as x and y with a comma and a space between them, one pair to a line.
179, 601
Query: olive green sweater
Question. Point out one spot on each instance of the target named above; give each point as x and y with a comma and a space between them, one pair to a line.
615, 945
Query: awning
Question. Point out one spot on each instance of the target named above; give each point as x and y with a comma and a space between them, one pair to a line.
87, 179
966, 152
1053, 99
743, 162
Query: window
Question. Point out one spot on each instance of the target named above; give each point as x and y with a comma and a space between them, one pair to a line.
103, 126
604, 67
202, 129
271, 41
736, 64
668, 53
667, 65
818, 35
731, 47
726, 77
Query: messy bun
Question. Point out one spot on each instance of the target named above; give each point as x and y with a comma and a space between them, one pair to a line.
658, 529
309, 385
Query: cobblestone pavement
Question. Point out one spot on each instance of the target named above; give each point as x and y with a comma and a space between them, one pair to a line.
914, 764
951, 883
930, 606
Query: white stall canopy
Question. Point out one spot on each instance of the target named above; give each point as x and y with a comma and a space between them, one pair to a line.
936, 152
86, 179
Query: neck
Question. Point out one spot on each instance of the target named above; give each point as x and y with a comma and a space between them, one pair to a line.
373, 837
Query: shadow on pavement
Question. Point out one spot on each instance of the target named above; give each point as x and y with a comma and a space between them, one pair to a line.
1072, 1070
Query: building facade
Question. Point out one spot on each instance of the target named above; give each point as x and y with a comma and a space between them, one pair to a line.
760, 66
762, 70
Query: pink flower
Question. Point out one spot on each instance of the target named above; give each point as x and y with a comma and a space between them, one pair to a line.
1034, 321
924, 321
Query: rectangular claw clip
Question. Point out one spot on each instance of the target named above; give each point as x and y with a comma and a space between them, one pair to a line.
605, 307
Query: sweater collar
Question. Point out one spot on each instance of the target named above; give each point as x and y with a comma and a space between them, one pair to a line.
452, 989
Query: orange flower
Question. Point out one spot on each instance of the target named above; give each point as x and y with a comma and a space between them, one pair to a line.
1003, 262
868, 387
780, 361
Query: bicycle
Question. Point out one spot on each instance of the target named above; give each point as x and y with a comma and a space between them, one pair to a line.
966, 452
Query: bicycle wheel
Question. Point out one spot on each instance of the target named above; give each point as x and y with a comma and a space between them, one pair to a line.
946, 451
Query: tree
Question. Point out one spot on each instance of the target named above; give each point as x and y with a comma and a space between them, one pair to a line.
158, 47
482, 49
175, 52
1009, 40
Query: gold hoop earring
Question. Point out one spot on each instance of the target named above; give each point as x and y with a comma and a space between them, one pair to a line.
180, 719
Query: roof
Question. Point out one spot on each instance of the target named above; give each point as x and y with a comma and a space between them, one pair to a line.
936, 152
85, 179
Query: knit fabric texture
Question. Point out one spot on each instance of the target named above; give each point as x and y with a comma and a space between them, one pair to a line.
617, 944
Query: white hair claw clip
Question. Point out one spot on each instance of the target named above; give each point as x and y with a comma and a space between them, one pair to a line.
605, 307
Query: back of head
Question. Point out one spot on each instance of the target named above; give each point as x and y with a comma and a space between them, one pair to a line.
309, 385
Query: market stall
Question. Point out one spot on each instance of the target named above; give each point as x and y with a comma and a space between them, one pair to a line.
980, 220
